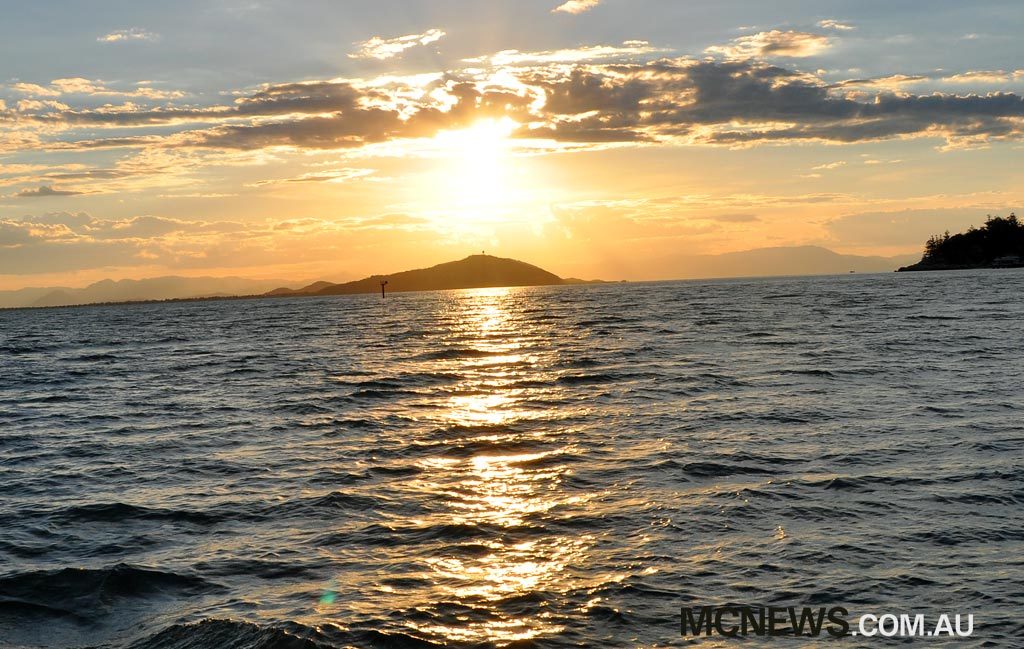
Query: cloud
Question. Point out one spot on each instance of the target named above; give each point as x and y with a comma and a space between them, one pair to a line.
393, 221
829, 166
130, 34
36, 105
75, 85
62, 241
746, 102
272, 100
82, 86
197, 195
587, 53
985, 77
835, 25
44, 191
623, 221
386, 48
18, 233
334, 176
973, 77
319, 115
595, 96
776, 43
889, 82
34, 90
67, 219
140, 227
735, 218
576, 6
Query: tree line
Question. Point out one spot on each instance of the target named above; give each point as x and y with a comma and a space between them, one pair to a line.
999, 238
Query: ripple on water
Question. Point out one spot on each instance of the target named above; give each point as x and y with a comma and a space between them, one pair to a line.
549, 467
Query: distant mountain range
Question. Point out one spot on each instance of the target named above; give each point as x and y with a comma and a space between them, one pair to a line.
134, 290
476, 271
787, 260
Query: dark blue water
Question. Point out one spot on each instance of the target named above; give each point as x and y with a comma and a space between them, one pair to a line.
547, 467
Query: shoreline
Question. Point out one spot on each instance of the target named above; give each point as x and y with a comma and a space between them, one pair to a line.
918, 268
218, 298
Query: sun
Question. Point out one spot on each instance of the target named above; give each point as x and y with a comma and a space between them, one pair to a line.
479, 180
478, 174
484, 141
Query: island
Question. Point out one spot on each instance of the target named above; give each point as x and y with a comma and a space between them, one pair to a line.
475, 271
999, 243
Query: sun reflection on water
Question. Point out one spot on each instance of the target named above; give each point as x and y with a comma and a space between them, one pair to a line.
503, 493
489, 559
500, 492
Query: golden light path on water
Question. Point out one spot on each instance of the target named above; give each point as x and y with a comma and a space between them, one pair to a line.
501, 547
498, 490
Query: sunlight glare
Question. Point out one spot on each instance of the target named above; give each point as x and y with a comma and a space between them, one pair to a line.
478, 174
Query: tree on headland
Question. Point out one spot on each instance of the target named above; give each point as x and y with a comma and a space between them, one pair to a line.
999, 242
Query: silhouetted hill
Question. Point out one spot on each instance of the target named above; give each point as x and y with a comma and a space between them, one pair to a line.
997, 244
476, 271
787, 260
305, 290
27, 296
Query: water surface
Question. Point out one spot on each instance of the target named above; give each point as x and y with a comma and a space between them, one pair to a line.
539, 467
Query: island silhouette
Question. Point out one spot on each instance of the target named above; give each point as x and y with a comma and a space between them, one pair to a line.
999, 243
475, 271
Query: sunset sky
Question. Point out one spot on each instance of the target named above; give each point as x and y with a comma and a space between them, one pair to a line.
319, 139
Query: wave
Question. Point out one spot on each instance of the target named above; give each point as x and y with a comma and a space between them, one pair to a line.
868, 483
387, 535
86, 593
396, 471
1008, 499
261, 568
377, 393
402, 381
810, 372
231, 634
226, 634
717, 470
119, 512
602, 378
336, 500
606, 321
18, 350
455, 353
95, 357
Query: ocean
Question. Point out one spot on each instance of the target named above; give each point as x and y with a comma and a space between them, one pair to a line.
524, 467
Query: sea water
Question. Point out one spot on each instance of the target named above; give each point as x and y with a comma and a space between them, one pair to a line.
526, 467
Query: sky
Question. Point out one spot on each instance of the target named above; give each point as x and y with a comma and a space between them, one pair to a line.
337, 139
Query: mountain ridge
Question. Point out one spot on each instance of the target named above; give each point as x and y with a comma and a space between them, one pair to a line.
167, 287
776, 261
